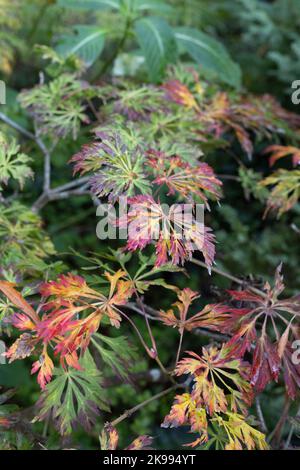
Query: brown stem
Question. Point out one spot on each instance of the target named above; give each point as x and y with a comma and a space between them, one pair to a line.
179, 346
147, 321
230, 276
260, 416
136, 408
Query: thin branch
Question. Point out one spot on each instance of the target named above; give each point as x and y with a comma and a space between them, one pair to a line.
37, 139
228, 177
17, 127
59, 193
71, 185
140, 302
260, 416
47, 164
51, 195
135, 308
291, 432
136, 408
179, 346
197, 331
229, 276
66, 194
211, 334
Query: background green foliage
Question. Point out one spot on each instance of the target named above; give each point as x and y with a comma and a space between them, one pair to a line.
240, 44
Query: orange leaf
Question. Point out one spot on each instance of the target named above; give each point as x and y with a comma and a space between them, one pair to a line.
16, 298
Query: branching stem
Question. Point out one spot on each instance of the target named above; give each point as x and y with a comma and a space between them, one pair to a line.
230, 276
136, 408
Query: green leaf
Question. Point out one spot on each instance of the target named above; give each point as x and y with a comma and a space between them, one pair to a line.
13, 164
73, 396
86, 42
153, 5
89, 4
117, 353
158, 44
209, 53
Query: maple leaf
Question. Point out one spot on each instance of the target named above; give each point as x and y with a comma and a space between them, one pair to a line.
109, 440
117, 162
221, 116
184, 412
61, 325
243, 117
285, 190
238, 433
211, 316
116, 352
45, 367
266, 323
73, 396
185, 298
179, 93
13, 164
280, 151
22, 347
241, 435
141, 443
212, 367
57, 106
180, 177
17, 299
177, 233
68, 286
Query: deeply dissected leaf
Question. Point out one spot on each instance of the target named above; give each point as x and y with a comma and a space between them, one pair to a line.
185, 412
16, 298
116, 352
13, 164
281, 151
182, 178
109, 440
61, 327
180, 94
209, 403
57, 106
268, 324
241, 435
285, 190
118, 165
25, 248
211, 316
214, 367
176, 234
74, 396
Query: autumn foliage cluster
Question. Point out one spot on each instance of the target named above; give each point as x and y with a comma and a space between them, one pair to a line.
85, 322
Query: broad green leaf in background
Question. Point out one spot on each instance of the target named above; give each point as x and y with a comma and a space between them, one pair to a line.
73, 395
158, 44
86, 42
89, 4
209, 53
153, 5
